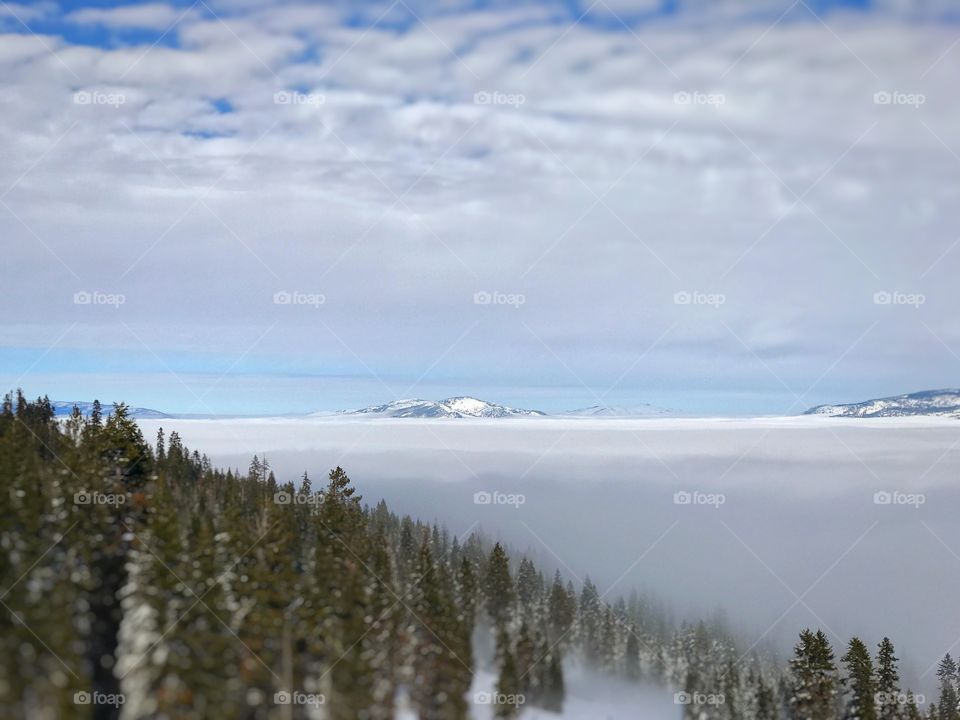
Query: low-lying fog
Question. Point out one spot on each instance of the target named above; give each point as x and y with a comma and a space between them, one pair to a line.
783, 529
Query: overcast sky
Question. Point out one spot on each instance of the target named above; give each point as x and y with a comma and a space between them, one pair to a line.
717, 207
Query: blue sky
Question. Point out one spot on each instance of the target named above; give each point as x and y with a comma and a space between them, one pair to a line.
718, 207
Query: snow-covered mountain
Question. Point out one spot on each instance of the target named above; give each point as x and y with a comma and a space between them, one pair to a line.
62, 408
927, 402
644, 410
456, 407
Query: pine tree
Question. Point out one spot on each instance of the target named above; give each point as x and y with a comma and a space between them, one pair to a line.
561, 613
888, 682
508, 683
813, 678
590, 622
553, 689
859, 682
911, 710
631, 668
498, 587
947, 673
161, 448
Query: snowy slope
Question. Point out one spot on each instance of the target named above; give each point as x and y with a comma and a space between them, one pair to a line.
928, 402
643, 410
590, 696
456, 407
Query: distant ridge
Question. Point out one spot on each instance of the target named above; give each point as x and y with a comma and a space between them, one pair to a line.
643, 410
927, 402
455, 407
62, 408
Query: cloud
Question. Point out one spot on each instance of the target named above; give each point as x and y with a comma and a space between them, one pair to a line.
151, 16
13, 14
597, 171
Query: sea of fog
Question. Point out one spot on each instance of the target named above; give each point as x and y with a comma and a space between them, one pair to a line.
776, 523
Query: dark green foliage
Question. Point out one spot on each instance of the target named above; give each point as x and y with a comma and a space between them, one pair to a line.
947, 673
813, 679
498, 587
888, 682
859, 682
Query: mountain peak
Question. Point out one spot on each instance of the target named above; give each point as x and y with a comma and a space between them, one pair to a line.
925, 402
462, 406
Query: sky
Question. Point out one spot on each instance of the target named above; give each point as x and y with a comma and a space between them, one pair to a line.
718, 207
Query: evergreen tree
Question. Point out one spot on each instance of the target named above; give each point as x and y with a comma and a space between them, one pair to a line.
553, 689
561, 612
508, 695
888, 682
590, 621
859, 682
498, 587
813, 679
631, 669
947, 673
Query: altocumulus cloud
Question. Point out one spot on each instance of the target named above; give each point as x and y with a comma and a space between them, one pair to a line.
794, 159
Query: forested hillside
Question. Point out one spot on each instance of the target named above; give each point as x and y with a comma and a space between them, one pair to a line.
138, 581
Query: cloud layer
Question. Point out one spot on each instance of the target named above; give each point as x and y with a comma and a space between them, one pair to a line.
705, 207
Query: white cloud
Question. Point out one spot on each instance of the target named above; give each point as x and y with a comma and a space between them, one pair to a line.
16, 13
152, 16
501, 195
